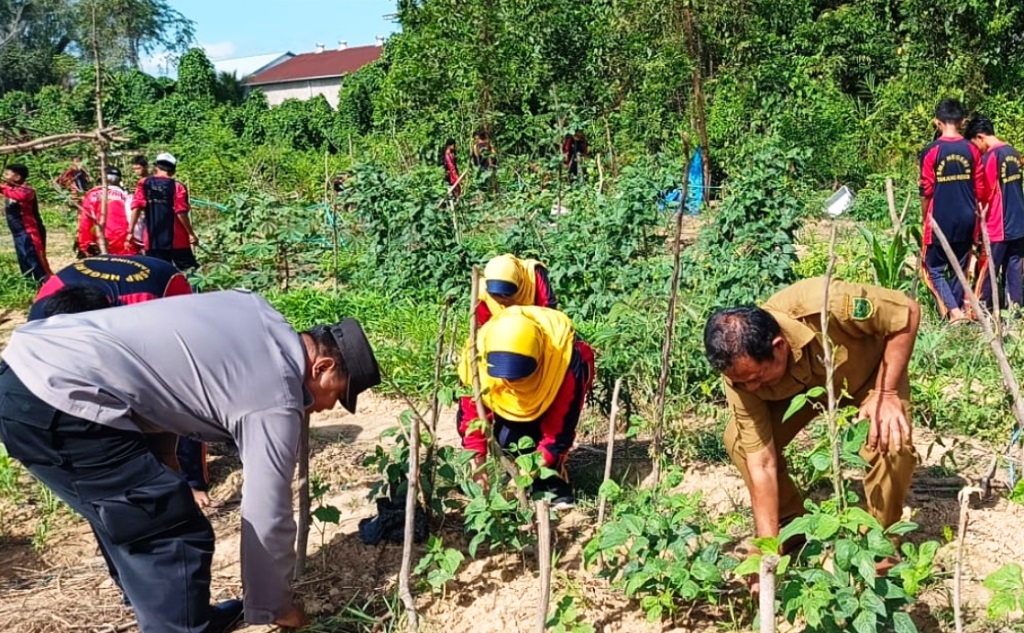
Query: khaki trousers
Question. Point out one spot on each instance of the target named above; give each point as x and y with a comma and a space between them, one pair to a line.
888, 475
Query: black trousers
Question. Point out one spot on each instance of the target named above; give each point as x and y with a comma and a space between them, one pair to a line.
182, 258
142, 513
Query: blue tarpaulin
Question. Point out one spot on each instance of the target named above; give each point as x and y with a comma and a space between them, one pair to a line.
694, 189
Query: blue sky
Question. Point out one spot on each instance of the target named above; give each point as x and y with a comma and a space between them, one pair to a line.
254, 27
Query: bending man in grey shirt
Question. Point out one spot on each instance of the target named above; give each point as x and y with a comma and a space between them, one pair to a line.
77, 392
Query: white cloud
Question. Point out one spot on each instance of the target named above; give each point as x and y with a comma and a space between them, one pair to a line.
165, 64
217, 51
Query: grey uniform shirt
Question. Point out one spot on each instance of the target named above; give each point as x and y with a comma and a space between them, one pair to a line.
212, 367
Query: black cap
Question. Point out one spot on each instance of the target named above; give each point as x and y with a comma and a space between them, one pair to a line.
113, 171
363, 371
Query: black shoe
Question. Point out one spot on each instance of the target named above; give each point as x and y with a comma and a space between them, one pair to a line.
225, 616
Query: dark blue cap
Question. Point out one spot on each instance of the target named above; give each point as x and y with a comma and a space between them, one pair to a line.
509, 365
500, 288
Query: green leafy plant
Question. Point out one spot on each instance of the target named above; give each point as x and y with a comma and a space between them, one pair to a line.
1007, 587
439, 563
567, 618
889, 259
656, 548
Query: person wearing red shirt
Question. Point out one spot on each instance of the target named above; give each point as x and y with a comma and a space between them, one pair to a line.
451, 168
949, 185
169, 232
115, 231
22, 211
508, 281
1001, 202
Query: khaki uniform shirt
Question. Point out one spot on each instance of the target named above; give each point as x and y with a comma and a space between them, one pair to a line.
861, 317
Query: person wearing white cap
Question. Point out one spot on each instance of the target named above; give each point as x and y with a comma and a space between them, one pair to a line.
169, 232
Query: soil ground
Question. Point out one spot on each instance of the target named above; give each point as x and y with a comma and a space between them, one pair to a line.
64, 587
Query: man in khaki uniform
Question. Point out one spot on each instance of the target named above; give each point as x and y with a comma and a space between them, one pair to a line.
770, 355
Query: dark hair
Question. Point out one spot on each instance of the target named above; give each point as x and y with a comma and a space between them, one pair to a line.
327, 345
75, 299
165, 167
140, 160
732, 333
978, 125
18, 169
949, 111
449, 143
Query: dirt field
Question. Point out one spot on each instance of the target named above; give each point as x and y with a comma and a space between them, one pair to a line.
64, 587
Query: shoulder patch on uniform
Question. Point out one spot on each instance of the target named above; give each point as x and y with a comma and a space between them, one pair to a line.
861, 308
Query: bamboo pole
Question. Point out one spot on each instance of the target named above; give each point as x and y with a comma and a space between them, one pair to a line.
995, 342
544, 562
609, 456
890, 198
965, 504
305, 514
670, 320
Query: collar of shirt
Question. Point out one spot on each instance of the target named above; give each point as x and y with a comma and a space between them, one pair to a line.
804, 364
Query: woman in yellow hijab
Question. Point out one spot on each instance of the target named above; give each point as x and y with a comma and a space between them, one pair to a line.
510, 281
535, 374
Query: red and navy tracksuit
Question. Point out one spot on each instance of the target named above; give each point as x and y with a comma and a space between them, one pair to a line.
950, 185
22, 211
451, 173
166, 238
544, 296
1002, 198
553, 432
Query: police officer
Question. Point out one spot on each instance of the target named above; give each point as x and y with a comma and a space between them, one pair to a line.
769, 355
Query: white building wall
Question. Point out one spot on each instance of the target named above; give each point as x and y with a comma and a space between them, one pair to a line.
305, 89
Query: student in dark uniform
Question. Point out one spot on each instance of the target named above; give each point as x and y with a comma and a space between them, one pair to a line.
949, 185
22, 211
169, 233
1002, 205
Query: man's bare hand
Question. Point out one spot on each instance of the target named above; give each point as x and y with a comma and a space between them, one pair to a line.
293, 618
202, 498
889, 430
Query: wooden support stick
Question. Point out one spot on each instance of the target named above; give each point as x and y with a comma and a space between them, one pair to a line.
481, 412
305, 514
890, 197
544, 562
965, 504
996, 342
412, 487
766, 599
833, 427
609, 456
435, 407
101, 145
670, 320
993, 274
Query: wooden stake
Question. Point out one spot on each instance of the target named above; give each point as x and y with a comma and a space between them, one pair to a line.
609, 456
833, 427
412, 487
435, 405
993, 276
101, 237
965, 504
766, 599
305, 513
481, 412
890, 198
670, 320
996, 342
544, 562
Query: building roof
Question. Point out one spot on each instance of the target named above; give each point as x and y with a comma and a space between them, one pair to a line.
243, 67
323, 65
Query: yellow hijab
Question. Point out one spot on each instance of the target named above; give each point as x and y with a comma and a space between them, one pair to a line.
542, 334
520, 272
